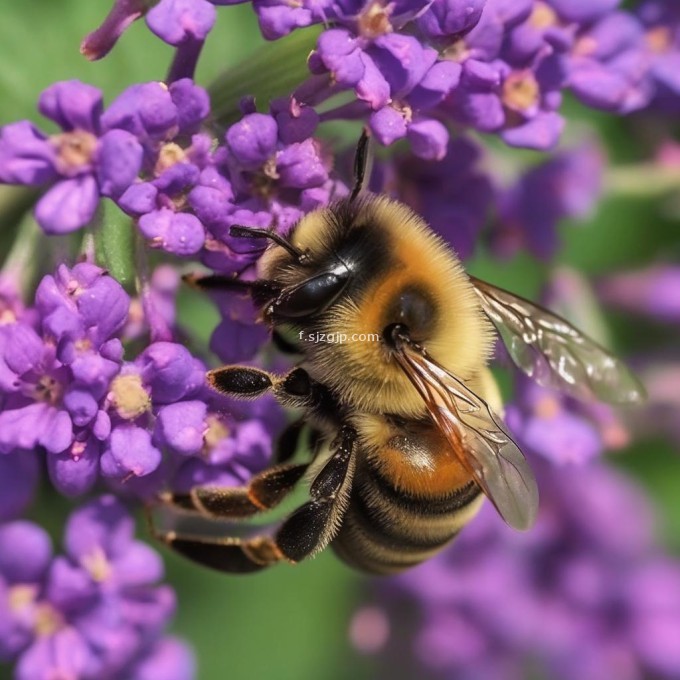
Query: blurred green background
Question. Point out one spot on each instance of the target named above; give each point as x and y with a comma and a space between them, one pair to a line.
292, 622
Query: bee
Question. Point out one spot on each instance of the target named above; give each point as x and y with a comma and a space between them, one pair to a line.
411, 422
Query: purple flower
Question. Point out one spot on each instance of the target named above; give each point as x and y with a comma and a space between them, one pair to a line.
169, 658
545, 425
217, 445
80, 307
661, 22
25, 555
453, 195
651, 292
448, 20
519, 104
101, 41
19, 476
396, 79
94, 612
160, 206
609, 67
565, 186
268, 174
162, 374
85, 161
365, 18
183, 24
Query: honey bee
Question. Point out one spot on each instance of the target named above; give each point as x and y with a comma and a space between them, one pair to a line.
410, 423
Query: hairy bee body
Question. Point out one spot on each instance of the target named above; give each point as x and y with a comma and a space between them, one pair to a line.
409, 499
410, 414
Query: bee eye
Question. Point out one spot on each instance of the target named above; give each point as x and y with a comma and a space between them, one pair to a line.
415, 310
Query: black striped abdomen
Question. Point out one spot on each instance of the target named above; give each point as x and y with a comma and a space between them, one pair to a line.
385, 530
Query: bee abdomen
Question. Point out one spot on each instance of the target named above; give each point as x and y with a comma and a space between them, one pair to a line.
386, 531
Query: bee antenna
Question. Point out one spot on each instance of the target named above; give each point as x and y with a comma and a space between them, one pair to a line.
240, 231
360, 164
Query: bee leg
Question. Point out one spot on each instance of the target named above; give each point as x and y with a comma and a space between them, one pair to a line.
241, 381
230, 554
289, 441
307, 531
260, 290
264, 492
295, 389
312, 527
361, 158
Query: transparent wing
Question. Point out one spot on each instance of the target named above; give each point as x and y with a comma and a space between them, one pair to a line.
554, 353
477, 436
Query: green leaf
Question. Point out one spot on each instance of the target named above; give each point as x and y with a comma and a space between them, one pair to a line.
274, 70
115, 244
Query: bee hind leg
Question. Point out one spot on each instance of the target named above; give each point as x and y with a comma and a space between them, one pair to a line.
304, 533
231, 555
313, 525
264, 492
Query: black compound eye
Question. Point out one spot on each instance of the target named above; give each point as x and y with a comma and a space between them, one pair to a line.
310, 297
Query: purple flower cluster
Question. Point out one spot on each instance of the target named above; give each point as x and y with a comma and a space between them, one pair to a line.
652, 294
98, 383
66, 389
101, 154
464, 193
94, 612
492, 65
55, 373
584, 595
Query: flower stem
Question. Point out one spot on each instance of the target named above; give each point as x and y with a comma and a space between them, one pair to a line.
21, 262
642, 180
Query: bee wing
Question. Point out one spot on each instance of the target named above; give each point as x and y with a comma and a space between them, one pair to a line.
477, 436
554, 353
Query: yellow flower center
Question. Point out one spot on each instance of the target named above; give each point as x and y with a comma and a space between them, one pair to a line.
74, 149
547, 407
543, 16
169, 155
97, 565
129, 397
659, 39
457, 51
21, 596
7, 317
47, 620
48, 390
374, 21
215, 432
520, 91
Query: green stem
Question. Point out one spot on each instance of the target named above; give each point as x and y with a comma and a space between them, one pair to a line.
642, 180
21, 262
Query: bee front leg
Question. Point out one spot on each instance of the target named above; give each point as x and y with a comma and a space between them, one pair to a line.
296, 389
